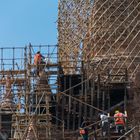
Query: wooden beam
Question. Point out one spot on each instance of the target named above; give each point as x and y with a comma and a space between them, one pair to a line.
13, 81
12, 72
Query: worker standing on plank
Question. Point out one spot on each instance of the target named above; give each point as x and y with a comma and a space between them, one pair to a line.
38, 60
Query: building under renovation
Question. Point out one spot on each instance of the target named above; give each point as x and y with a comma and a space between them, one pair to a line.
94, 69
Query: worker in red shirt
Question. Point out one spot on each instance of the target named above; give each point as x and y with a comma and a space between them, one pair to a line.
84, 133
119, 121
38, 59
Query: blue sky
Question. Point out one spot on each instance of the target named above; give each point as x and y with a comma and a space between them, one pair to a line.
24, 21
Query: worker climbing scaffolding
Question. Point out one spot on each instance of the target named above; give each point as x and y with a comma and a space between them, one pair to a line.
104, 124
119, 119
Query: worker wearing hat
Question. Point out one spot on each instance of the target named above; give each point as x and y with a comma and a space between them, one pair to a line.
119, 121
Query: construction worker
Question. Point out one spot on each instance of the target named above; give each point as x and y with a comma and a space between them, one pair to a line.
104, 124
83, 133
119, 121
38, 59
